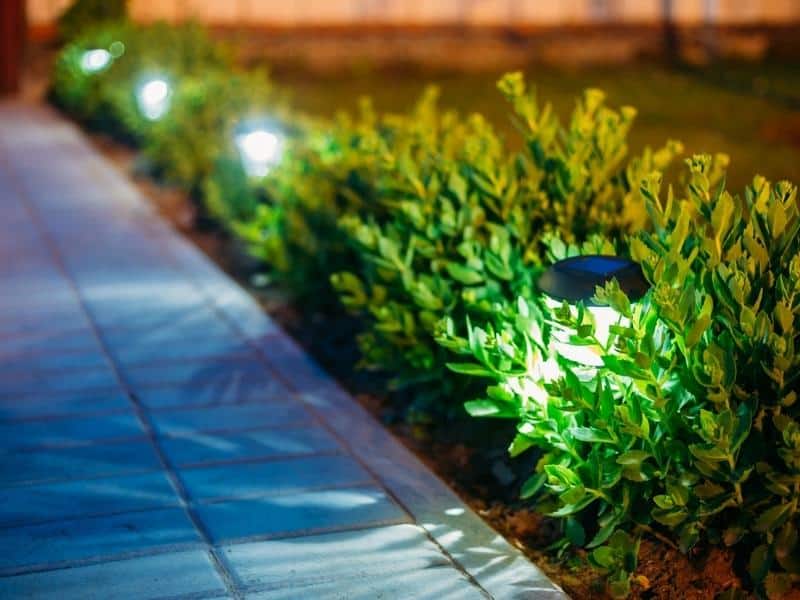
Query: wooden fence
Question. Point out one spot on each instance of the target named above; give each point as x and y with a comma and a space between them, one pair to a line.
504, 13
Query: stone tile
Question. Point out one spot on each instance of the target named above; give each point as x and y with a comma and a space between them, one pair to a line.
64, 404
97, 537
164, 349
152, 289
69, 431
58, 381
294, 365
387, 562
229, 417
48, 341
300, 513
40, 364
272, 477
145, 578
32, 321
266, 443
165, 324
437, 584
56, 464
218, 372
252, 386
56, 501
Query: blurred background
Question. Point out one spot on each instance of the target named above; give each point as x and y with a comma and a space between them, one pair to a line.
719, 75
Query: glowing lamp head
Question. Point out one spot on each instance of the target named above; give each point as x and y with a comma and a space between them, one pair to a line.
260, 147
574, 280
153, 98
94, 61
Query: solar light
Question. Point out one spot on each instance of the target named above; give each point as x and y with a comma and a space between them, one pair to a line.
574, 280
153, 98
260, 146
95, 60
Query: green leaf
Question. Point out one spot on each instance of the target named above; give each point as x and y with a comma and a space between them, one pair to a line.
604, 557
520, 444
471, 369
760, 561
573, 495
633, 457
710, 454
773, 517
592, 434
574, 532
671, 517
490, 408
786, 540
463, 274
532, 485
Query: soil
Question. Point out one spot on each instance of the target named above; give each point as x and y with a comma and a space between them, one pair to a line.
484, 478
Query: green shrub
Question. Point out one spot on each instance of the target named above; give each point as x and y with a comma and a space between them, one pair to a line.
464, 221
228, 195
86, 14
688, 428
106, 99
187, 144
327, 171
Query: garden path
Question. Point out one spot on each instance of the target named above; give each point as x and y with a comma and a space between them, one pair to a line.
161, 437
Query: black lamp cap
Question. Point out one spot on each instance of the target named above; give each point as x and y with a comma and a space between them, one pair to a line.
575, 279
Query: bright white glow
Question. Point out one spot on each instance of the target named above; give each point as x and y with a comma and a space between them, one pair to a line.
96, 60
333, 499
604, 317
260, 151
454, 512
153, 98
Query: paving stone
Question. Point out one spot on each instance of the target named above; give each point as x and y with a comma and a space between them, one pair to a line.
68, 431
228, 417
156, 298
219, 372
267, 443
56, 501
300, 513
48, 341
55, 464
145, 578
27, 321
63, 404
58, 381
272, 477
96, 537
167, 324
41, 364
387, 562
164, 349
252, 386
439, 584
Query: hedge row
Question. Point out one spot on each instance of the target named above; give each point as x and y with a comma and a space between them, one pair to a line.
431, 229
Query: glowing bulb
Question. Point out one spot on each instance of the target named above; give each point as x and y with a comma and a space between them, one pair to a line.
153, 98
95, 60
604, 317
260, 151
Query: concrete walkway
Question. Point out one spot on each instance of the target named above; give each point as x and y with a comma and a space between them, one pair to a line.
160, 436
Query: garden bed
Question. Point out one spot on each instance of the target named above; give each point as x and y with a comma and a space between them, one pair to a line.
470, 457
650, 399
